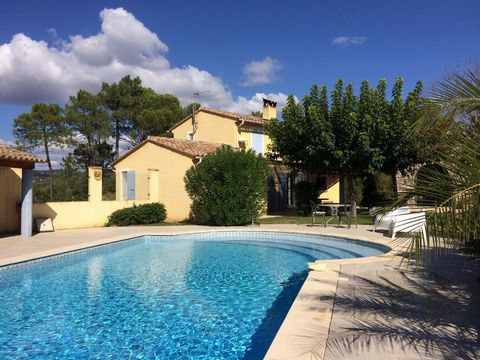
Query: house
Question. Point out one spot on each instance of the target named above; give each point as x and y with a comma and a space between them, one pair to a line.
16, 190
154, 169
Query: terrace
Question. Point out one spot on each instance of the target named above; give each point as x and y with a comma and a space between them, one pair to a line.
367, 307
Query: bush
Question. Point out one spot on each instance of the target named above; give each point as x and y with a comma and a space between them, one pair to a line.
137, 215
228, 187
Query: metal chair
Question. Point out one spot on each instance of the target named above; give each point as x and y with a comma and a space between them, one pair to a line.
349, 214
316, 212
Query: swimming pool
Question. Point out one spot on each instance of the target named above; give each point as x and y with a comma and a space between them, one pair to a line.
193, 296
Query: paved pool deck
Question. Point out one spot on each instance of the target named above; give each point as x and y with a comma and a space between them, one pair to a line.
370, 308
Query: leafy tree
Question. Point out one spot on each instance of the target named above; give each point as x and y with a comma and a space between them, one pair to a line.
343, 117
89, 123
401, 150
43, 127
350, 136
136, 112
71, 183
187, 110
228, 187
257, 113
284, 135
158, 113
122, 102
97, 154
319, 130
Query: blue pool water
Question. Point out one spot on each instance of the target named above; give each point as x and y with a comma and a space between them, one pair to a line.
197, 296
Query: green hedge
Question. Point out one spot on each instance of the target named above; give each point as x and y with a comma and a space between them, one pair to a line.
228, 187
137, 215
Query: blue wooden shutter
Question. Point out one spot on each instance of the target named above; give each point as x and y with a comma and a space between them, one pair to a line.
257, 142
131, 185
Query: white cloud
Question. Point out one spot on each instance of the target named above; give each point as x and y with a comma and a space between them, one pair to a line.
255, 103
349, 40
36, 71
261, 72
8, 143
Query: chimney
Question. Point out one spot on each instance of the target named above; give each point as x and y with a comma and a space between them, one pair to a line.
269, 109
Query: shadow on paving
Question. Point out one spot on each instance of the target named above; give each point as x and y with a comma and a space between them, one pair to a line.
382, 312
266, 331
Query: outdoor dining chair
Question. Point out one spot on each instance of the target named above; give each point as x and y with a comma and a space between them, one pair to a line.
316, 212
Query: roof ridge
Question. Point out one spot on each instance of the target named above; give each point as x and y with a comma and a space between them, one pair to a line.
154, 137
192, 148
236, 114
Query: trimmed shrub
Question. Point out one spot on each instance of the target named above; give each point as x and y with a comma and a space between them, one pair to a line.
228, 187
153, 213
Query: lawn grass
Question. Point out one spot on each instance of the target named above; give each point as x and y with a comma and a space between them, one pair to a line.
362, 219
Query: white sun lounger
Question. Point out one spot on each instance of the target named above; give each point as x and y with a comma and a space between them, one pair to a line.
384, 221
408, 223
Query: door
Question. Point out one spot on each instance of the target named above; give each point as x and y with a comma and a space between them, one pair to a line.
153, 185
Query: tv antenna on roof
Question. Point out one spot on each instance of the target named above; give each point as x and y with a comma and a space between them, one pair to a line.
196, 94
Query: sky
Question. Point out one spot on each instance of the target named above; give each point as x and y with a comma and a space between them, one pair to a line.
234, 53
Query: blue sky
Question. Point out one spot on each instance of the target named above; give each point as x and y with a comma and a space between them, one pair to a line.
239, 51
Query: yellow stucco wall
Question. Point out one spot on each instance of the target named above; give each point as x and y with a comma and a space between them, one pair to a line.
245, 132
332, 193
171, 168
333, 189
10, 195
219, 129
79, 214
210, 127
82, 214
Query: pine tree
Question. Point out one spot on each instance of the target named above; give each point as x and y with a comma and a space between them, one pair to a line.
43, 127
89, 122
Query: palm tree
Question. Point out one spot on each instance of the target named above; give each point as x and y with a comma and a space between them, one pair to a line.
452, 183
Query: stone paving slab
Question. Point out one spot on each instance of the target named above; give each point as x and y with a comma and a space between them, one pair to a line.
399, 314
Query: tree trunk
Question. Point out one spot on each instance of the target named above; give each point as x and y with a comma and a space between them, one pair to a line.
350, 187
117, 139
50, 170
343, 188
351, 198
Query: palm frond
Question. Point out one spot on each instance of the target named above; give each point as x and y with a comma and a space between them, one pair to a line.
450, 185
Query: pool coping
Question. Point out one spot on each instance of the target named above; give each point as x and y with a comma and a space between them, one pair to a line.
318, 284
20, 259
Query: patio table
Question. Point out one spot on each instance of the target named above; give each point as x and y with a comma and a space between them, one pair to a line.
333, 211
333, 208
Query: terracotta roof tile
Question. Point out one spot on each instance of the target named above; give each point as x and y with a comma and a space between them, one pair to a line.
237, 116
10, 154
188, 147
